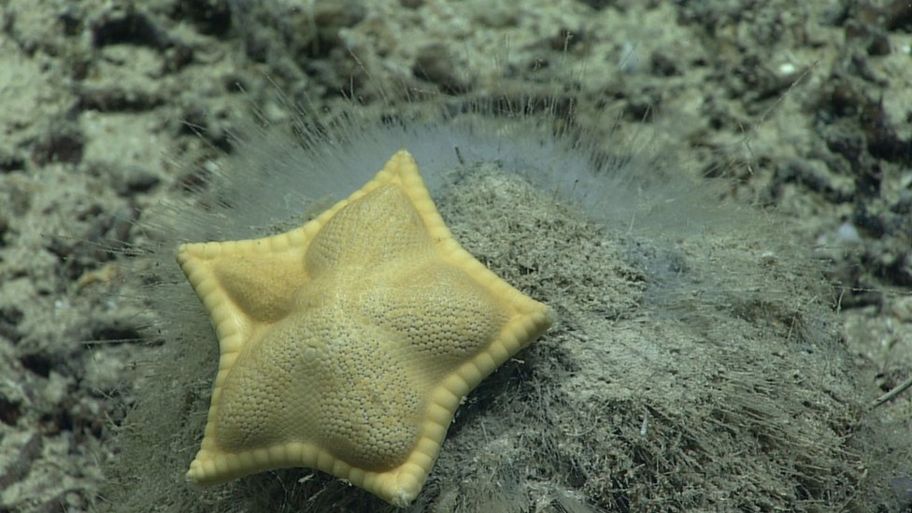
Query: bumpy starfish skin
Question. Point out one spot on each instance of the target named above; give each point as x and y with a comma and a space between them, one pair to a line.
347, 344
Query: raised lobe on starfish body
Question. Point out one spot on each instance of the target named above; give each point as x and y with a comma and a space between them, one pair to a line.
347, 344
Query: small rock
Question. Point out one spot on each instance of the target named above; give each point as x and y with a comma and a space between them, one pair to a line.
127, 26
10, 161
137, 180
847, 233
210, 16
10, 410
63, 143
10, 317
57, 388
103, 372
435, 64
496, 15
902, 309
662, 65
17, 452
565, 39
114, 98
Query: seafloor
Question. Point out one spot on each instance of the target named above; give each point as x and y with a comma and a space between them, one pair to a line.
803, 108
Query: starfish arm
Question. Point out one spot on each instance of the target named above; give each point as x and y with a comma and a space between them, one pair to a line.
347, 344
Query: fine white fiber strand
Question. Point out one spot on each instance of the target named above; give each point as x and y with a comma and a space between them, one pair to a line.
275, 174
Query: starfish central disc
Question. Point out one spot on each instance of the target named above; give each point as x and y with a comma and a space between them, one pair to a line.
347, 344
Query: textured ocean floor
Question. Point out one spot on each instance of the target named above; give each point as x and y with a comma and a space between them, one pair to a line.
108, 108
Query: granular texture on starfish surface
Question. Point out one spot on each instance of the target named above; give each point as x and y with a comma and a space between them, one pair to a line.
347, 344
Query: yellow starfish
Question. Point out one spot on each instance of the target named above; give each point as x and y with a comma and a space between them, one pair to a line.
348, 343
